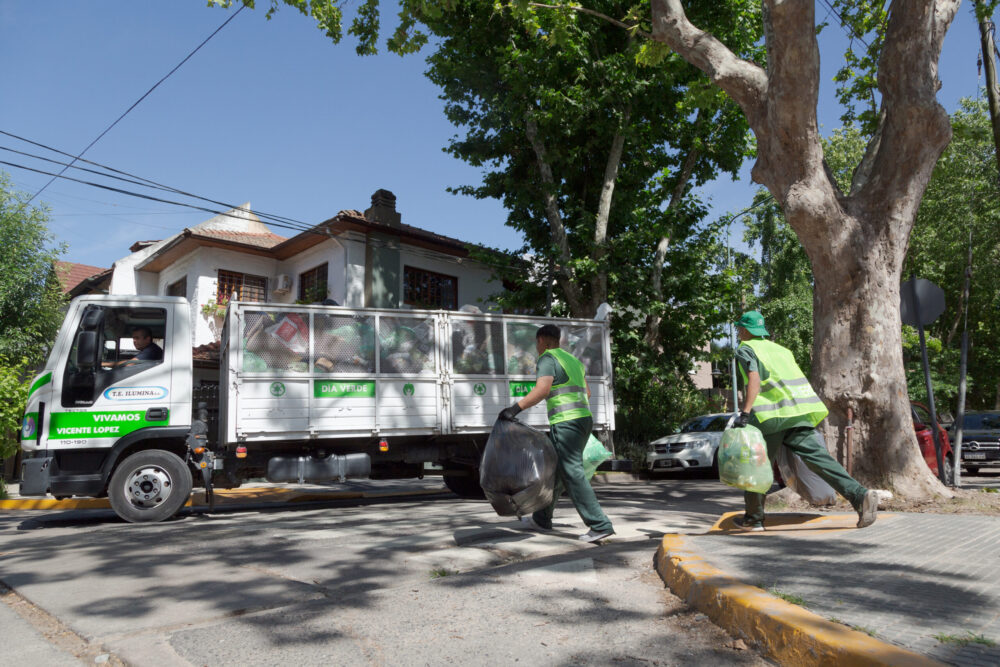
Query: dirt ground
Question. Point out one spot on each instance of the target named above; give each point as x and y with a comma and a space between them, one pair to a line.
966, 501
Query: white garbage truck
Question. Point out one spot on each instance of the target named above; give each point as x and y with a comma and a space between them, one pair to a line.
299, 394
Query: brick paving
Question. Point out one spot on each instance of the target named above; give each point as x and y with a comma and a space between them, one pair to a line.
906, 579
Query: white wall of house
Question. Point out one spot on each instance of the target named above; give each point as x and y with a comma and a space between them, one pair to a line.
201, 270
474, 287
354, 275
125, 279
329, 252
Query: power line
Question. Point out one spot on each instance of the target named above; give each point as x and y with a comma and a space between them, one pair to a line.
135, 104
843, 24
152, 198
145, 182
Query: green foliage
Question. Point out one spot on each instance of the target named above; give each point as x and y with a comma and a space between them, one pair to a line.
961, 198
30, 294
15, 377
865, 22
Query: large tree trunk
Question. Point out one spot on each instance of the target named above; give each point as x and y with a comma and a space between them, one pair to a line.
856, 243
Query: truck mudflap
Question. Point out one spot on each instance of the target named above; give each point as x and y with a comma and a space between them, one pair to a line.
302, 469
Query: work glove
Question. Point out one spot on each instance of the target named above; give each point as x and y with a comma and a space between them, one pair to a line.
742, 420
508, 414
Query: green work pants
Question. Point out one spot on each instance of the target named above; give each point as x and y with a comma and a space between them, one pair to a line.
809, 445
569, 438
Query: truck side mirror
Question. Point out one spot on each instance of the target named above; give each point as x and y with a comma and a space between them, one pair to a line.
93, 318
86, 350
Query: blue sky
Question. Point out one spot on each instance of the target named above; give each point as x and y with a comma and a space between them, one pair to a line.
269, 112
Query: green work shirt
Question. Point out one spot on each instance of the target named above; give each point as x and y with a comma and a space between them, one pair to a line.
748, 361
548, 366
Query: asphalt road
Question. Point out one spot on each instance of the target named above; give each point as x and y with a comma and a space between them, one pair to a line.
429, 579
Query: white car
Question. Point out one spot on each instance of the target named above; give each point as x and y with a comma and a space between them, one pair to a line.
694, 446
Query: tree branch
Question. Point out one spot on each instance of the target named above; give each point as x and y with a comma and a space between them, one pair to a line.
915, 128
653, 320
590, 12
556, 227
599, 285
743, 81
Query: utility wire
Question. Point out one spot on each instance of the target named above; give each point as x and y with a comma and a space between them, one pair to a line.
144, 182
152, 198
843, 24
134, 105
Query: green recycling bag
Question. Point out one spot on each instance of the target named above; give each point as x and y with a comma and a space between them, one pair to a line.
594, 454
743, 461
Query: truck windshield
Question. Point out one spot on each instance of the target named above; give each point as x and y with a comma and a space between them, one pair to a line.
130, 340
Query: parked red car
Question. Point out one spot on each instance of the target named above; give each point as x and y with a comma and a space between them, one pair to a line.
922, 426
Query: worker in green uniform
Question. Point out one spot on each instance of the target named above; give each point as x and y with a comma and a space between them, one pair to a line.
778, 399
561, 382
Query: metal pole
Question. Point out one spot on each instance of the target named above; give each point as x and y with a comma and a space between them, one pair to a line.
962, 366
732, 337
927, 378
732, 366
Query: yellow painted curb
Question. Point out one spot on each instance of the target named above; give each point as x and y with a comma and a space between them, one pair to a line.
222, 497
788, 633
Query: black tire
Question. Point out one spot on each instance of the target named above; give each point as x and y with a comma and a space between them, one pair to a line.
972, 470
949, 471
465, 485
149, 486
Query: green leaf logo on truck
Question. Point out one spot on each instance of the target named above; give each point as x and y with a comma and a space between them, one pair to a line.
479, 388
344, 389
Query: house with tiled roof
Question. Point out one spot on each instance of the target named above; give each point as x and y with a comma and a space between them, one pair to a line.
355, 259
71, 274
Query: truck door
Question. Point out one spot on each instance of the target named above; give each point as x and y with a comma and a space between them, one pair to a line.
116, 378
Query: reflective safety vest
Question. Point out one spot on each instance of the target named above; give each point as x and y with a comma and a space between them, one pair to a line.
786, 392
568, 400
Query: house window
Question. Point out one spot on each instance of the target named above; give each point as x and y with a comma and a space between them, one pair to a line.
426, 289
312, 284
179, 288
246, 287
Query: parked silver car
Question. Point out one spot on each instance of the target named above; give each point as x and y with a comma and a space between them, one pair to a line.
694, 446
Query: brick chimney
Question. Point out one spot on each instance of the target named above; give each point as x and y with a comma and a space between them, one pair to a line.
383, 209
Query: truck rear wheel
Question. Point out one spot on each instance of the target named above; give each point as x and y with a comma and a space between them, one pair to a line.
465, 485
149, 486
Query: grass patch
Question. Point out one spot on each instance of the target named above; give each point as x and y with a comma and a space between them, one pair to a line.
990, 489
968, 638
862, 628
787, 597
440, 572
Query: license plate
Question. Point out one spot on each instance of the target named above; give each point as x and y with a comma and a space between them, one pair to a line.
977, 456
668, 463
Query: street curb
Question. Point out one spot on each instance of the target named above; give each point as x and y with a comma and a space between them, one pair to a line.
227, 497
786, 632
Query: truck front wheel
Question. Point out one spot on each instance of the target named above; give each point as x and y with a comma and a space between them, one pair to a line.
149, 486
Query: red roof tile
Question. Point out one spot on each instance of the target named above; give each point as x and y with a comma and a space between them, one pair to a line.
268, 240
71, 274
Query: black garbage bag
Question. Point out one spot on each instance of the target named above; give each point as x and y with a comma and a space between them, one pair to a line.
518, 469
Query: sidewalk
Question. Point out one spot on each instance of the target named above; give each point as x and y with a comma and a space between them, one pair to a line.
903, 584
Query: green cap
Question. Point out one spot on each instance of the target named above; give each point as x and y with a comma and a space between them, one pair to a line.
753, 322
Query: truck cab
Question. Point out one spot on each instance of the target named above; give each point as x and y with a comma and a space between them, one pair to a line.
100, 399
